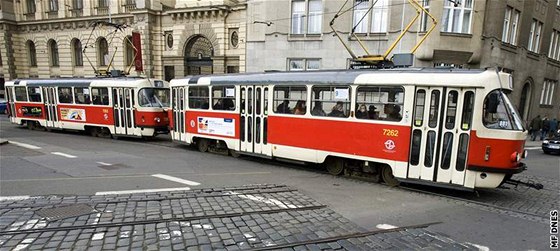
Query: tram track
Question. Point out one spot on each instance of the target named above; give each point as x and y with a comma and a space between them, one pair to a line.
191, 194
156, 221
344, 237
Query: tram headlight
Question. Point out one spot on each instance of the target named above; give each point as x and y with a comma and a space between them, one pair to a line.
515, 157
157, 119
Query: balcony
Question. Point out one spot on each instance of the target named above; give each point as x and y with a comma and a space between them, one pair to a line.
102, 10
77, 12
29, 16
129, 6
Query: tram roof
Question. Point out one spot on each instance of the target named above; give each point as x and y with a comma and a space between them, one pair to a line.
77, 82
323, 76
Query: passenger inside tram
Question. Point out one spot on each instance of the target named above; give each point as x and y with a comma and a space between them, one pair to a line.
337, 110
362, 113
300, 108
318, 109
393, 112
284, 107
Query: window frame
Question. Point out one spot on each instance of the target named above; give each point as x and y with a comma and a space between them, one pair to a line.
448, 20
224, 96
547, 92
53, 53
191, 97
104, 102
59, 91
32, 53
301, 21
379, 103
77, 57
16, 95
87, 96
304, 64
277, 101
35, 93
346, 104
533, 44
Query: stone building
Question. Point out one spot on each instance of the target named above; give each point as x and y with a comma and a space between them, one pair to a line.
521, 37
178, 37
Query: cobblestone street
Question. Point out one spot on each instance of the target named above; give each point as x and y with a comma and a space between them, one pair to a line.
253, 217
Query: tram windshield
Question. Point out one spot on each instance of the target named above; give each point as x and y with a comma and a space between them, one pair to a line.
499, 113
153, 97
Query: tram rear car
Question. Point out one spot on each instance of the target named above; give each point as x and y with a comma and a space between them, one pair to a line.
451, 128
133, 107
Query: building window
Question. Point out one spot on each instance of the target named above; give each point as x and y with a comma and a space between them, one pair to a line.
77, 51
554, 50
379, 16
30, 4
103, 4
425, 17
53, 5
53, 53
129, 50
509, 31
548, 92
457, 16
32, 53
360, 16
78, 4
535, 36
303, 64
313, 13
102, 52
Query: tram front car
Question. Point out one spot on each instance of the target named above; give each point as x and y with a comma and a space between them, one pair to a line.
497, 145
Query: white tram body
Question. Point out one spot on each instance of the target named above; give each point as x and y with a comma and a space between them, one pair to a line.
443, 127
117, 106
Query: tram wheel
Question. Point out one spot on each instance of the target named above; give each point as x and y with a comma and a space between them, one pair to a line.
94, 132
234, 153
202, 145
30, 125
388, 177
335, 166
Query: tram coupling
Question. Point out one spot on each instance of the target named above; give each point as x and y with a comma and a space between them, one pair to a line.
529, 184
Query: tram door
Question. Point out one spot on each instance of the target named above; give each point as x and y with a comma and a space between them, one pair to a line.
11, 103
49, 97
123, 104
440, 134
254, 120
179, 113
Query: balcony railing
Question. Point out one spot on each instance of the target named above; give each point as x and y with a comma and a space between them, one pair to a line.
52, 14
129, 6
77, 12
30, 16
102, 10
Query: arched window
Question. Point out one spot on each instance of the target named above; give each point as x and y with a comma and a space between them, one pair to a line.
31, 53
102, 52
53, 53
129, 51
77, 52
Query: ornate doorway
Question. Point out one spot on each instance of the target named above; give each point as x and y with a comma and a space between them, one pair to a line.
524, 100
198, 56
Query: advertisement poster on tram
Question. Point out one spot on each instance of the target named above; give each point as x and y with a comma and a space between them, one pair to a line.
32, 111
73, 114
216, 126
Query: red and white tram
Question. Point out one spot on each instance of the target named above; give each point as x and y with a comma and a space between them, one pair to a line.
442, 127
111, 106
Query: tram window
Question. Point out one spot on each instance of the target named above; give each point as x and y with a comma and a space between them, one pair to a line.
100, 95
34, 94
462, 154
447, 150
81, 95
286, 98
416, 144
419, 108
174, 100
434, 109
258, 91
21, 94
376, 98
430, 149
223, 98
332, 101
153, 97
65, 95
451, 110
199, 97
265, 103
468, 105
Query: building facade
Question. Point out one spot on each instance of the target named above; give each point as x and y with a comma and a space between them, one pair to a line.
187, 37
178, 37
521, 37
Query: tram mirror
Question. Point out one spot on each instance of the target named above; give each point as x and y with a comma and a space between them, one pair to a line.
492, 103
